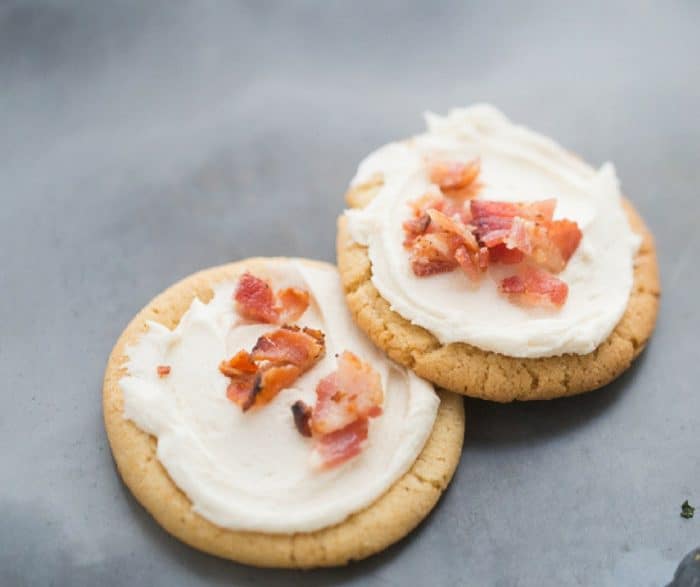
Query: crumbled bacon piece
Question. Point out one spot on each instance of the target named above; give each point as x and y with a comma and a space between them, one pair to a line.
353, 391
345, 400
293, 302
535, 287
276, 361
566, 235
342, 445
290, 344
163, 370
473, 263
502, 254
239, 364
414, 227
540, 211
453, 175
444, 223
256, 301
432, 254
302, 417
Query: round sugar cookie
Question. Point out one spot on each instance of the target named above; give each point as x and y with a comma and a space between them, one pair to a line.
470, 371
393, 515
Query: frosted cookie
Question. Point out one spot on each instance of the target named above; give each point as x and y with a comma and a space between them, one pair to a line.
494, 263
254, 421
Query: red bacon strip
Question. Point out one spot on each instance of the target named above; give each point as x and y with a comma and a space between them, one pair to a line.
534, 287
345, 400
276, 361
256, 301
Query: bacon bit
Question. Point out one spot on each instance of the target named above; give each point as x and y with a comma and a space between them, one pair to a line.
345, 400
414, 227
269, 381
540, 211
353, 391
473, 264
432, 254
566, 235
163, 370
302, 417
342, 445
294, 302
502, 254
427, 201
290, 344
276, 361
453, 175
256, 301
239, 364
535, 287
444, 223
243, 390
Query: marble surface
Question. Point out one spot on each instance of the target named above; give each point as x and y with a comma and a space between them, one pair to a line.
143, 141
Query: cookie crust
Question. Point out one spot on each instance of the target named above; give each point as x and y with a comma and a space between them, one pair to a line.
468, 370
404, 505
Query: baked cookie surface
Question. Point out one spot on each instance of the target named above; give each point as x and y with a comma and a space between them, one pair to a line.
468, 370
400, 509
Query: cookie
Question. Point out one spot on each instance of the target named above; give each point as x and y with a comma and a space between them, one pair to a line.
404, 505
470, 371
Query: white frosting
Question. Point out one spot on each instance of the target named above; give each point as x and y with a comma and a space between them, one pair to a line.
254, 470
516, 165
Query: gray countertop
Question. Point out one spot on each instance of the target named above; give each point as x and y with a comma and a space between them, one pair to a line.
143, 141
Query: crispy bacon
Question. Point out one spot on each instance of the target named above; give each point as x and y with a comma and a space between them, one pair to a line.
444, 223
414, 227
453, 175
353, 391
163, 370
502, 254
509, 222
433, 253
290, 344
239, 364
293, 302
302, 417
566, 235
342, 445
345, 401
528, 228
541, 210
535, 287
256, 301
276, 361
473, 263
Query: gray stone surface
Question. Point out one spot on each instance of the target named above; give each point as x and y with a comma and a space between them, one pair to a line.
142, 141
